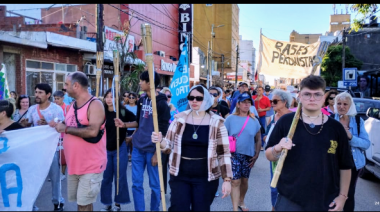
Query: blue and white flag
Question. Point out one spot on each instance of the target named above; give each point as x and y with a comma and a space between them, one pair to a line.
25, 159
180, 85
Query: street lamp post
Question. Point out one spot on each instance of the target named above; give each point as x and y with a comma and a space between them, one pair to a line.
210, 60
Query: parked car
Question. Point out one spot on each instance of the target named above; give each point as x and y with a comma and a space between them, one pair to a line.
372, 126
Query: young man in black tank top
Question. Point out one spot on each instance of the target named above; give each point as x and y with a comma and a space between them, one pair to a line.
316, 173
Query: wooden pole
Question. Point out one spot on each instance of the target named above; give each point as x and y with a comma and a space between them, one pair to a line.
116, 63
146, 33
99, 64
284, 152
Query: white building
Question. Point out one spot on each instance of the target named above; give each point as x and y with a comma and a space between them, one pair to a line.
246, 59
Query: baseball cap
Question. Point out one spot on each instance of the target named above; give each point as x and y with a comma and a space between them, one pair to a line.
242, 97
267, 88
243, 83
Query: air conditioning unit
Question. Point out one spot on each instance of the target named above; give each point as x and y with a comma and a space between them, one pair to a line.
89, 69
161, 53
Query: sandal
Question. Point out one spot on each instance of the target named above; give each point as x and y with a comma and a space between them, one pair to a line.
243, 208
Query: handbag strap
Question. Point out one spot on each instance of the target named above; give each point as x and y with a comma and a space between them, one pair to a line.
39, 112
22, 116
245, 123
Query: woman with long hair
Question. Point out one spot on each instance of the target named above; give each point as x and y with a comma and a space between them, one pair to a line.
329, 103
246, 127
281, 102
131, 106
22, 104
110, 173
200, 154
14, 95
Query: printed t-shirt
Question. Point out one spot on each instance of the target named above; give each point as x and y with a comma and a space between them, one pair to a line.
310, 176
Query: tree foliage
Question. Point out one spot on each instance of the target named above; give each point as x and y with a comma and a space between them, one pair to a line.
365, 11
129, 80
332, 64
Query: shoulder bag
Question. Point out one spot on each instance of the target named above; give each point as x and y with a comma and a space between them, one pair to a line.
233, 138
92, 140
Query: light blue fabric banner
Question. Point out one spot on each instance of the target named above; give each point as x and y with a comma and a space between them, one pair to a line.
179, 86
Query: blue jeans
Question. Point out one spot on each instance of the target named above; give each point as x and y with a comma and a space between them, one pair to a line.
262, 123
55, 177
140, 160
110, 175
273, 191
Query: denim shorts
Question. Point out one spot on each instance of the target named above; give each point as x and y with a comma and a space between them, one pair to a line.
240, 166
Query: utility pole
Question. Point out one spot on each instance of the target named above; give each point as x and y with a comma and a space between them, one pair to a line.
208, 67
223, 69
237, 64
344, 51
99, 48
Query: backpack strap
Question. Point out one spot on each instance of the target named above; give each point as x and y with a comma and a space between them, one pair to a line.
357, 118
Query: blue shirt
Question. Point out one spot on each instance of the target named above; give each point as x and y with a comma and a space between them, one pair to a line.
358, 143
67, 99
245, 143
271, 111
133, 110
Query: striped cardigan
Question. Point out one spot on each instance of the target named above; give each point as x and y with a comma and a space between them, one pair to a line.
218, 153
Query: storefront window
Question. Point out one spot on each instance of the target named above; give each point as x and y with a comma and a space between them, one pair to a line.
45, 72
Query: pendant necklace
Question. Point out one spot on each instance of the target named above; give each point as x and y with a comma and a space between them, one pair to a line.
311, 125
195, 135
314, 126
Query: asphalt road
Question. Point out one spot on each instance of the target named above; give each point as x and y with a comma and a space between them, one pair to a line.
257, 198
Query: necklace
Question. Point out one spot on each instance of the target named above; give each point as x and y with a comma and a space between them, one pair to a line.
195, 135
312, 118
312, 127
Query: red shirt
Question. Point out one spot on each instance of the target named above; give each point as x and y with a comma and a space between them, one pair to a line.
262, 104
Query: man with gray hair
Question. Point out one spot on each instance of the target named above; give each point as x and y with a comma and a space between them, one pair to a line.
84, 142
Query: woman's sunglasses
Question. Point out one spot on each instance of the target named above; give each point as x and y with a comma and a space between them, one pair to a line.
169, 96
214, 94
275, 101
331, 98
132, 97
198, 98
24, 96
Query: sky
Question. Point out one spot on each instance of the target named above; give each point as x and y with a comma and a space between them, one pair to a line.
276, 20
279, 20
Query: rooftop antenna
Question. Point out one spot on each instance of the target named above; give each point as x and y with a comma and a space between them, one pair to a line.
346, 8
334, 9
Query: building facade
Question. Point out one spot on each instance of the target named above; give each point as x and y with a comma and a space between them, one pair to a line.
163, 18
40, 53
303, 38
223, 20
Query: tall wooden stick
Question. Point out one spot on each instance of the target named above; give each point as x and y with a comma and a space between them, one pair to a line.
99, 63
116, 68
146, 33
284, 152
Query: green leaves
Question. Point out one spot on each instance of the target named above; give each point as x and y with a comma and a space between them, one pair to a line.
365, 11
332, 64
